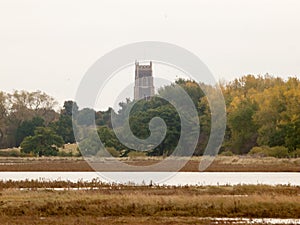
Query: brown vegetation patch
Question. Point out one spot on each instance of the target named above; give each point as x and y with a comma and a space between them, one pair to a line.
113, 204
220, 164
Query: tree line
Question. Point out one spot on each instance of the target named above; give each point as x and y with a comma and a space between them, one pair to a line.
263, 117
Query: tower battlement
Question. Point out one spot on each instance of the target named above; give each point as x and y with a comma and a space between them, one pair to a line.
143, 87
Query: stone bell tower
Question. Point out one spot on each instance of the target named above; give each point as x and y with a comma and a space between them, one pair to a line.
143, 88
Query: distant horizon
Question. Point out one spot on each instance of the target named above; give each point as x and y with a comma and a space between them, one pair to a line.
49, 45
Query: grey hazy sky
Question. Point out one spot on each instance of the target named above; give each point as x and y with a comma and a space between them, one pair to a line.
49, 45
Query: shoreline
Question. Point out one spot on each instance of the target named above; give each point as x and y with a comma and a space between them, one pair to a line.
220, 164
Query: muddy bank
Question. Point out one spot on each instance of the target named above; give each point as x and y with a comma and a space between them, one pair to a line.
220, 164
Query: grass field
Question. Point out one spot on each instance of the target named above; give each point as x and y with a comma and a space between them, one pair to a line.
120, 204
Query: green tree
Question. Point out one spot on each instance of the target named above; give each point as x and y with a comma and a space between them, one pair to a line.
103, 118
44, 142
64, 126
70, 107
3, 118
27, 128
142, 113
86, 117
243, 129
109, 139
292, 134
89, 143
192, 88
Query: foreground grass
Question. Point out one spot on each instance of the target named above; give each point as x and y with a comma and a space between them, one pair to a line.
113, 204
95, 203
92, 220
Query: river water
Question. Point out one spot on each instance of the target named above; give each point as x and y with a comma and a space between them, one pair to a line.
166, 178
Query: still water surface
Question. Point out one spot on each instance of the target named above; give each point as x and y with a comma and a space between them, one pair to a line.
167, 178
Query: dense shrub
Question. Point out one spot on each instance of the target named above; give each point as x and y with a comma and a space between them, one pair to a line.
133, 154
259, 151
64, 154
277, 151
296, 153
113, 151
12, 153
227, 153
108, 152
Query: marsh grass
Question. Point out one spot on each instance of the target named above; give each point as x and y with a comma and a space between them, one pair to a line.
96, 220
113, 200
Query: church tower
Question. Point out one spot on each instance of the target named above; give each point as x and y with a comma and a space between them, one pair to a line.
143, 88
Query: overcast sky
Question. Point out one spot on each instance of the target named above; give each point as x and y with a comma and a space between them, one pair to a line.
49, 45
